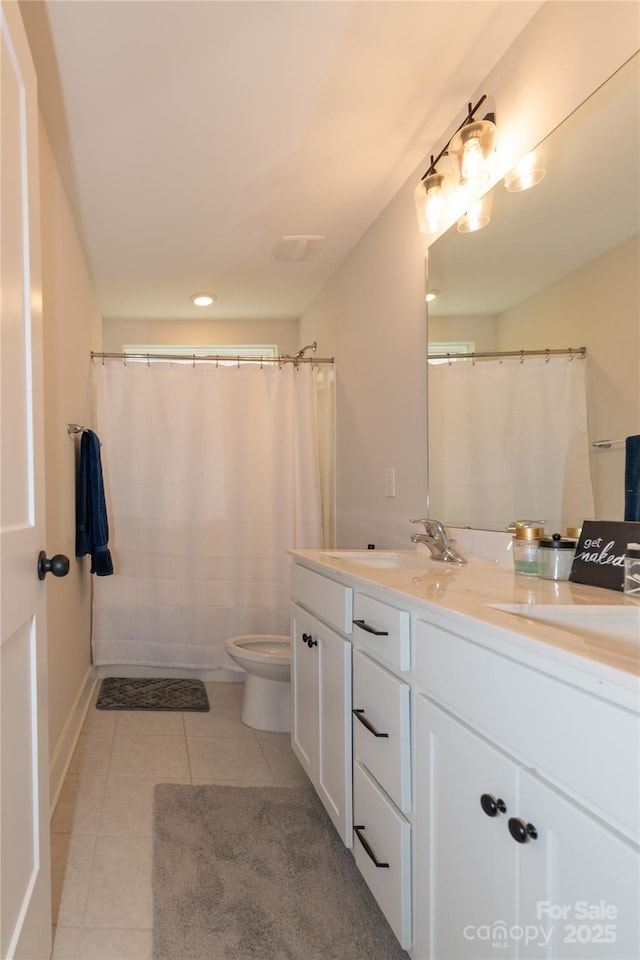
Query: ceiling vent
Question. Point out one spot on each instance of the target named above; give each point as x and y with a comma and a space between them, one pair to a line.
297, 248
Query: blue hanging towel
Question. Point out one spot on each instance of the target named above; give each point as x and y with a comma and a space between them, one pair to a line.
92, 528
632, 478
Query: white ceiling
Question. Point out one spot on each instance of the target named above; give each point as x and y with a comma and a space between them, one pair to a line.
192, 134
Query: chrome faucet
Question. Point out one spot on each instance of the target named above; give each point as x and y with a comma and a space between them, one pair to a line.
442, 547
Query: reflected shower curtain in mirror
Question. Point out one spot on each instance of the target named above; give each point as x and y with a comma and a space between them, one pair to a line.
211, 473
512, 440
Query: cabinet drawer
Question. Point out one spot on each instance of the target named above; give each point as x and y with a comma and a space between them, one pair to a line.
381, 707
331, 601
584, 744
387, 834
382, 630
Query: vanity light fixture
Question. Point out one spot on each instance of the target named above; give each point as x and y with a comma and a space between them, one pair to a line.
203, 299
471, 145
526, 173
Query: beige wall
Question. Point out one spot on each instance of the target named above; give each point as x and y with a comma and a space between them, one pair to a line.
481, 331
598, 306
371, 315
71, 329
284, 333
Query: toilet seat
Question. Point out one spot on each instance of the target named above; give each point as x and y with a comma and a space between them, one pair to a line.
258, 649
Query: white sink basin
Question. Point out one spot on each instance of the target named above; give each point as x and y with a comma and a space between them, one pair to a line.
600, 625
381, 559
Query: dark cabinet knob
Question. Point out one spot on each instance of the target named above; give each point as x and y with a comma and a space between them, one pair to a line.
520, 831
491, 806
58, 565
308, 639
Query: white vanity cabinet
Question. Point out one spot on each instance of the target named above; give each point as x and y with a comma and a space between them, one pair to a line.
382, 785
496, 781
362, 775
321, 696
507, 864
321, 714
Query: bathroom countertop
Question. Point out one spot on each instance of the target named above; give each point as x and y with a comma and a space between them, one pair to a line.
596, 648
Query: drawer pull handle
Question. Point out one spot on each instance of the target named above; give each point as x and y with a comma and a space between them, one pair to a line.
365, 626
359, 831
522, 832
367, 723
308, 639
491, 806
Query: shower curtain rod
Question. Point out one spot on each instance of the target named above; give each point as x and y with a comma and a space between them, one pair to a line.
579, 352
209, 358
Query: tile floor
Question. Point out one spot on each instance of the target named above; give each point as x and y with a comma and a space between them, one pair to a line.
102, 826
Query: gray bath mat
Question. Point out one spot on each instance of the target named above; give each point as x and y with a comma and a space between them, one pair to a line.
258, 873
150, 693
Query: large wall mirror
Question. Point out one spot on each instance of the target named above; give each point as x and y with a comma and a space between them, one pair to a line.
556, 267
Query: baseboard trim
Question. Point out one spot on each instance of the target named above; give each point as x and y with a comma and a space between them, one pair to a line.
63, 752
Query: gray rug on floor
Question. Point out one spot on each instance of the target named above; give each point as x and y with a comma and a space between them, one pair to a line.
151, 693
258, 873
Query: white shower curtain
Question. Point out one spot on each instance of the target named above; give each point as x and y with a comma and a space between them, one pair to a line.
211, 474
509, 441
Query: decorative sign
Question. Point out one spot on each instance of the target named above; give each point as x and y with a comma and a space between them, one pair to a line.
599, 558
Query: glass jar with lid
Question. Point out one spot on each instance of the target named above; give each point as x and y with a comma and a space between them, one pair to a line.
632, 570
555, 557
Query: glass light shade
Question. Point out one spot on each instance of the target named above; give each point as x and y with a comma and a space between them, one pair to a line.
526, 173
472, 145
430, 203
476, 217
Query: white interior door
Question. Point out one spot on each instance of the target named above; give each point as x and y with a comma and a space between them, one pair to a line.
25, 881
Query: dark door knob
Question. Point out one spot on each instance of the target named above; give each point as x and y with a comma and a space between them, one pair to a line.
522, 832
57, 565
308, 639
491, 806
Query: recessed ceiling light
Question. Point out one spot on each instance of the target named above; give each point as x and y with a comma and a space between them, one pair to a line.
203, 299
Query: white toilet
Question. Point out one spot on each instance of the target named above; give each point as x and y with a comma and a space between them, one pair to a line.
267, 661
